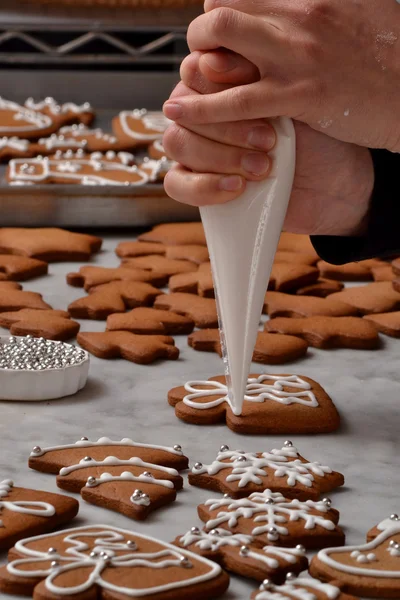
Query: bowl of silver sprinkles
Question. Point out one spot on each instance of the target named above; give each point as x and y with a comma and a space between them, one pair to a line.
35, 369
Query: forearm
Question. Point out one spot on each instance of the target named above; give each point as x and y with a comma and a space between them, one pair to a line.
382, 235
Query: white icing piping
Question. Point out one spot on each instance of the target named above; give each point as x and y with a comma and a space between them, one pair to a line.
14, 143
292, 590
109, 461
108, 541
256, 391
37, 120
127, 476
26, 507
155, 123
55, 108
105, 441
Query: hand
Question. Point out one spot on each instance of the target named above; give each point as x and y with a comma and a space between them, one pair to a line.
333, 180
332, 64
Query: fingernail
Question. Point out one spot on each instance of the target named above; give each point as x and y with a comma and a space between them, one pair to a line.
262, 138
173, 111
221, 63
256, 164
233, 183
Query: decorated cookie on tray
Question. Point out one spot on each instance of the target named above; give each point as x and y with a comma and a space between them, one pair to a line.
139, 127
273, 520
370, 570
299, 588
235, 553
103, 561
284, 470
272, 404
17, 121
62, 113
25, 512
156, 150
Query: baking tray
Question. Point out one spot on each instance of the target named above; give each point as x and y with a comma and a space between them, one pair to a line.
88, 206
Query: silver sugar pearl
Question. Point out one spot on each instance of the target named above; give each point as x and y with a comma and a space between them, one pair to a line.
137, 493
224, 448
266, 585
93, 554
52, 551
54, 564
131, 544
327, 502
244, 551
214, 532
291, 577
241, 459
288, 444
195, 530
88, 458
392, 543
91, 480
198, 466
272, 530
147, 474
394, 517
36, 450
269, 501
227, 496
185, 562
178, 448
145, 496
301, 548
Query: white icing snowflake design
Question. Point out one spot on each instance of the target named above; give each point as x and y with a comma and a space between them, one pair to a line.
271, 512
111, 547
249, 467
296, 590
256, 391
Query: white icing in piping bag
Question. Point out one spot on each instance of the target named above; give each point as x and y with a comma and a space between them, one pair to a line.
242, 238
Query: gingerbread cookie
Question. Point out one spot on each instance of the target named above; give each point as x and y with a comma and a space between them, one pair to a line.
82, 171
139, 127
199, 283
286, 277
150, 321
26, 512
292, 257
113, 297
18, 121
377, 297
298, 243
160, 264
386, 323
89, 277
69, 112
235, 553
272, 404
134, 493
202, 311
303, 588
176, 234
322, 288
13, 147
94, 140
48, 243
156, 170
283, 470
369, 570
49, 324
21, 268
273, 520
270, 349
103, 561
140, 349
277, 304
58, 144
156, 150
328, 332
196, 254
353, 271
12, 298
54, 458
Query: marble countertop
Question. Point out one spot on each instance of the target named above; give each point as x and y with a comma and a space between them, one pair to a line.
126, 400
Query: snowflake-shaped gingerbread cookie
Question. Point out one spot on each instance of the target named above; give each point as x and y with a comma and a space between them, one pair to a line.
272, 519
106, 562
278, 404
239, 473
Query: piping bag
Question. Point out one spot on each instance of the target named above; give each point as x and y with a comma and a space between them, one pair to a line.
242, 237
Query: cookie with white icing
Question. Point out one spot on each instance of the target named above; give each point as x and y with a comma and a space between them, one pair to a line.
14, 147
299, 588
283, 470
278, 404
17, 121
62, 113
25, 512
140, 127
95, 140
107, 562
86, 170
372, 569
235, 553
156, 169
156, 150
134, 492
53, 458
271, 519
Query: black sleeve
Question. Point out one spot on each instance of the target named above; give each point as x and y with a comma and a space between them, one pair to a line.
382, 238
